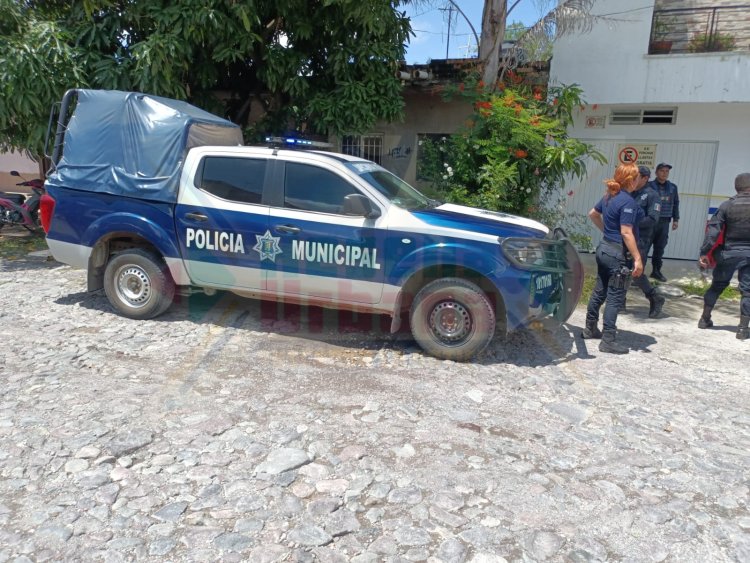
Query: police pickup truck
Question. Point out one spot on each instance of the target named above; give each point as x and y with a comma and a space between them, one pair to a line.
153, 196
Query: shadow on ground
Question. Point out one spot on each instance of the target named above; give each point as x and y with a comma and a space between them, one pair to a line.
339, 328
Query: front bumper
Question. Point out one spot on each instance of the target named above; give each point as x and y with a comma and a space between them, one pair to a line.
555, 277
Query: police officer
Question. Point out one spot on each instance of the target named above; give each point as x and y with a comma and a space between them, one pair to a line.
648, 201
617, 215
732, 217
670, 212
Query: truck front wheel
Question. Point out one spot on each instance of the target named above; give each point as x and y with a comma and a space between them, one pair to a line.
138, 284
452, 319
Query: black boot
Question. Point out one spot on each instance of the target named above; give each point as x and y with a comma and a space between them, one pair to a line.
743, 332
705, 320
657, 275
655, 304
591, 330
609, 345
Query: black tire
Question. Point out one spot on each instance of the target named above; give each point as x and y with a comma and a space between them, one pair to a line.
138, 284
435, 312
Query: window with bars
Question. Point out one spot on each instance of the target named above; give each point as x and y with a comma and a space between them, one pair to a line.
364, 146
663, 116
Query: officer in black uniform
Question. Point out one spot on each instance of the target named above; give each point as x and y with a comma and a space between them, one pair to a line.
669, 213
733, 218
649, 202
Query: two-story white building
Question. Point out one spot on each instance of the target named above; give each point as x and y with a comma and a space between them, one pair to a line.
665, 81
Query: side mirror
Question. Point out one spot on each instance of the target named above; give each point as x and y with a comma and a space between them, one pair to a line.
357, 204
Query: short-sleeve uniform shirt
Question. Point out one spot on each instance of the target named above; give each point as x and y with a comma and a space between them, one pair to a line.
616, 211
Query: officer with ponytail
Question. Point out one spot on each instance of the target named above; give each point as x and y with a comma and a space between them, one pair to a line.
617, 216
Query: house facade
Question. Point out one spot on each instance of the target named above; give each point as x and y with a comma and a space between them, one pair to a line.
665, 81
20, 163
427, 114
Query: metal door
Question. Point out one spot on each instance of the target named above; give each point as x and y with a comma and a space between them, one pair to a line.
693, 171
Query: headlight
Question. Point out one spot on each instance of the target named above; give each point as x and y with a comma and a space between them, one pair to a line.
536, 254
525, 253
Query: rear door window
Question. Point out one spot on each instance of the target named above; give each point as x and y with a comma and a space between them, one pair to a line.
233, 178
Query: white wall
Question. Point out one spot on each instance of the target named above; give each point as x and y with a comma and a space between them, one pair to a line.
612, 65
726, 124
15, 161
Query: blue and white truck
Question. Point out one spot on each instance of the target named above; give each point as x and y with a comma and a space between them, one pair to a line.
153, 196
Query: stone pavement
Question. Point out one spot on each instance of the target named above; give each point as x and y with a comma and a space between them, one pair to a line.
236, 431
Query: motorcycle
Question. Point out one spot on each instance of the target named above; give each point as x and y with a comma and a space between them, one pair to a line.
18, 209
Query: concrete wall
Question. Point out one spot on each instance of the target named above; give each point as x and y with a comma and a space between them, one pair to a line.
612, 65
16, 161
722, 123
425, 112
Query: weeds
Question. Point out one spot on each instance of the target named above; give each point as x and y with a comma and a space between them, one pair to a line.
695, 287
15, 247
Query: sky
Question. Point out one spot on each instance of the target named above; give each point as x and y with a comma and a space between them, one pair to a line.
430, 23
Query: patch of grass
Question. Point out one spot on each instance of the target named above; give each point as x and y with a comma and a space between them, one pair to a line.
699, 288
589, 281
15, 247
693, 287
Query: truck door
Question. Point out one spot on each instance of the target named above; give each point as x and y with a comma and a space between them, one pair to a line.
219, 217
318, 250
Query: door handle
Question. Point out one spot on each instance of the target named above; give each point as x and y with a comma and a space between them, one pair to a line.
196, 216
288, 229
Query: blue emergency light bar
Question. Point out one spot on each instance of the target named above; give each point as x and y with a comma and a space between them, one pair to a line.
295, 142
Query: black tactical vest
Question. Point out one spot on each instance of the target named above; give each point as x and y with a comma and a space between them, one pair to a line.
737, 235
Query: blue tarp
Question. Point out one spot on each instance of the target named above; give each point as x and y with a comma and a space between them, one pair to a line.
133, 144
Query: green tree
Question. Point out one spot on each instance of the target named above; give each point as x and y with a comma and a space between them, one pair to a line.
514, 31
38, 61
316, 65
514, 154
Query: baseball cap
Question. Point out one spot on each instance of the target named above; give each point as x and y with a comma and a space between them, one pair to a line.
663, 165
644, 171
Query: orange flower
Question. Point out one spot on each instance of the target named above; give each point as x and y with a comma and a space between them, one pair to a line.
538, 96
520, 153
555, 102
534, 121
518, 108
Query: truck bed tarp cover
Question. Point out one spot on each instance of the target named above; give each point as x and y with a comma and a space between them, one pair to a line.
133, 144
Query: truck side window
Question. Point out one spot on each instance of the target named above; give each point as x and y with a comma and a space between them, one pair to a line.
315, 189
232, 178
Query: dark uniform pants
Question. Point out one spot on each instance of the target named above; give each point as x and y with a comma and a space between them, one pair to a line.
727, 264
609, 262
641, 282
661, 238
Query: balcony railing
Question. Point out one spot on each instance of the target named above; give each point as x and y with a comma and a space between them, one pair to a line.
700, 30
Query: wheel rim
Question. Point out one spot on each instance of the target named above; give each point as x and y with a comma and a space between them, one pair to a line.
450, 322
133, 286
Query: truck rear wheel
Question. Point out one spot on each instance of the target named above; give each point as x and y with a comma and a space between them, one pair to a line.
452, 319
138, 284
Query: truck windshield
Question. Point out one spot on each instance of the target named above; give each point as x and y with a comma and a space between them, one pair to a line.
391, 186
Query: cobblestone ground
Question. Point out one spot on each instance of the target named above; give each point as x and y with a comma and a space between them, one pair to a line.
218, 432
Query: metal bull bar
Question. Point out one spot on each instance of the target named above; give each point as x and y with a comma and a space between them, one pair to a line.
572, 284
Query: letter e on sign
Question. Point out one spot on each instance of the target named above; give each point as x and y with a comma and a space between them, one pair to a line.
628, 155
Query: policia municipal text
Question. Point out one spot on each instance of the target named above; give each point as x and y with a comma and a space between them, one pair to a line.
617, 215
